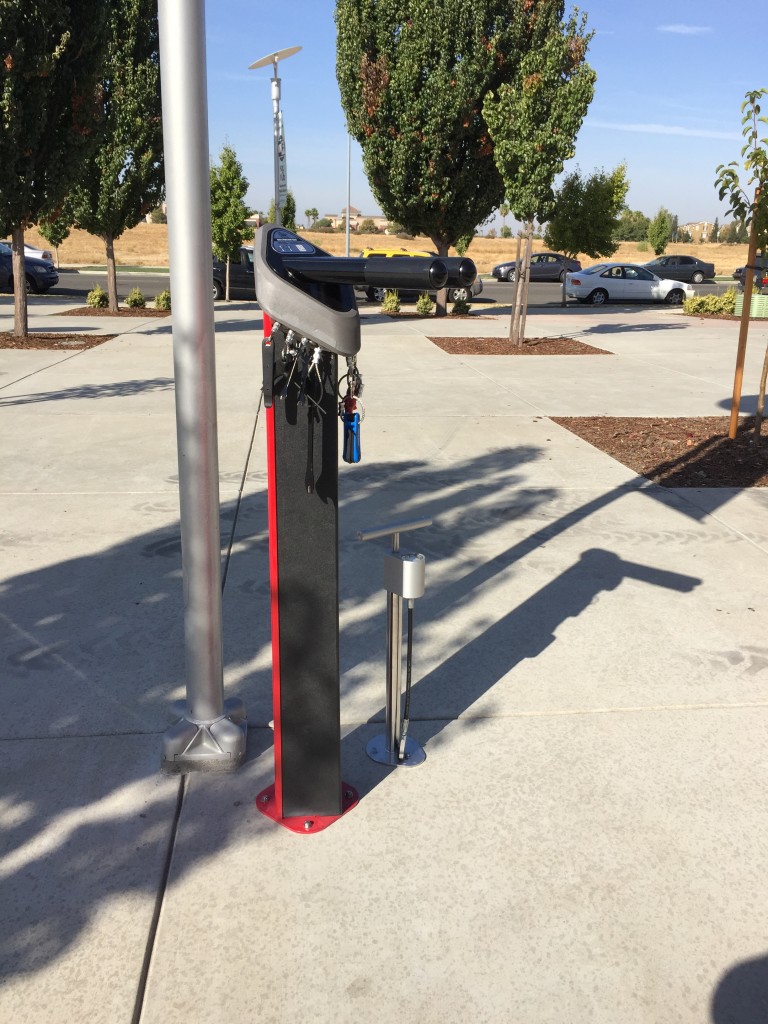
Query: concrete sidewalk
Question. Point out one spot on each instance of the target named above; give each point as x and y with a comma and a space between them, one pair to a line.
587, 839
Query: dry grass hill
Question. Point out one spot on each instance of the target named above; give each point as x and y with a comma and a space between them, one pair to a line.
147, 246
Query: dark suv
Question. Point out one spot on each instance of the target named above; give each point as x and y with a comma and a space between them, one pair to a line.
242, 283
40, 274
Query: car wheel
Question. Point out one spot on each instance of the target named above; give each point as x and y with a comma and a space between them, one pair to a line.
698, 277
511, 275
218, 289
675, 297
459, 295
599, 297
30, 285
378, 294
561, 278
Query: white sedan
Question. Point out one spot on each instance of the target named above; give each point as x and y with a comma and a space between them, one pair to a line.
624, 282
31, 250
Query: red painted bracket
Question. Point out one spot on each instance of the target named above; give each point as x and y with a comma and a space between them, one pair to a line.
305, 824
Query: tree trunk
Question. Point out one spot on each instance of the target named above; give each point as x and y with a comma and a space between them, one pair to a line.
109, 245
738, 376
513, 320
441, 299
20, 320
761, 398
526, 285
517, 331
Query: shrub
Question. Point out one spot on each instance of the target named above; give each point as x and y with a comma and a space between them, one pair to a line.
135, 300
424, 304
460, 308
391, 303
163, 300
724, 304
642, 247
97, 298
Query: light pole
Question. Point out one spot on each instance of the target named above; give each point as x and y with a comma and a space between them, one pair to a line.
281, 173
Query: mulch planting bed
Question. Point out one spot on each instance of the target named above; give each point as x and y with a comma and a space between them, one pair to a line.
679, 451
53, 342
122, 311
530, 347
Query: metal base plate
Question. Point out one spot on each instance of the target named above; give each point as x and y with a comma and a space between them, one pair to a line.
217, 746
306, 824
378, 751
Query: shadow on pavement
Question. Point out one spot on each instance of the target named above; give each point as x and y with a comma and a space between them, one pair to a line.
93, 649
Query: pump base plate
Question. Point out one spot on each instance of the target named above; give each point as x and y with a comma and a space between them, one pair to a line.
378, 751
305, 824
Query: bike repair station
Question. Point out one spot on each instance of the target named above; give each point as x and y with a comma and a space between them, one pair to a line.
311, 321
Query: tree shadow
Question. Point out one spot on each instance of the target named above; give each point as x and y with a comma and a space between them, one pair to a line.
115, 389
93, 653
625, 328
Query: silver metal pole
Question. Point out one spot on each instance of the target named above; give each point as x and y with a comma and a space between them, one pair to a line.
349, 186
210, 735
276, 126
385, 749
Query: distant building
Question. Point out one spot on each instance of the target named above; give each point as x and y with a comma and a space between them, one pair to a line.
356, 218
699, 230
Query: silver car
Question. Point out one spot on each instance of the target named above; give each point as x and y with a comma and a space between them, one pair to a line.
624, 282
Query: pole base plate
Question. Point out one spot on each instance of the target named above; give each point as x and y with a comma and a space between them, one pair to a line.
378, 751
217, 746
305, 824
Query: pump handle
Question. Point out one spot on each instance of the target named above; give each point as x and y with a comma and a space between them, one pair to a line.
414, 273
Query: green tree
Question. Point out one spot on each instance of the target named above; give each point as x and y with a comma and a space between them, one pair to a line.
586, 214
157, 216
748, 203
288, 212
228, 209
632, 226
504, 213
674, 227
53, 53
413, 88
55, 227
311, 214
368, 226
506, 231
126, 177
533, 122
463, 243
715, 231
660, 230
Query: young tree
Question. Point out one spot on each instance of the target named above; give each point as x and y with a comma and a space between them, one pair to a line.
53, 54
288, 212
659, 231
533, 122
126, 178
311, 214
228, 211
715, 231
55, 227
632, 226
504, 213
586, 214
748, 204
413, 87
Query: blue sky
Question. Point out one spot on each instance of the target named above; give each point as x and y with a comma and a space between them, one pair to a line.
670, 82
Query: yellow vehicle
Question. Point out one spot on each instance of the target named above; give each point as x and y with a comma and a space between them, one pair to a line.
377, 294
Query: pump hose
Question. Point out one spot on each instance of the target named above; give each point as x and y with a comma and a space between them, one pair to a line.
408, 658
